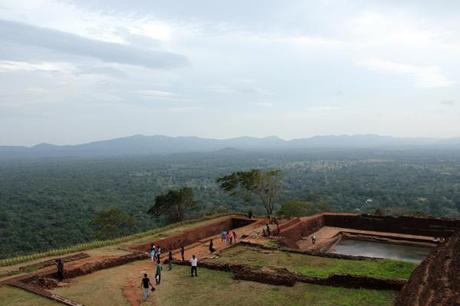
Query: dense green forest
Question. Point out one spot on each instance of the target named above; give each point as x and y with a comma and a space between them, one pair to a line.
49, 203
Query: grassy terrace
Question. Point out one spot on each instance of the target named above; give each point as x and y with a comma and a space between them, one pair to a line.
12, 296
315, 265
210, 288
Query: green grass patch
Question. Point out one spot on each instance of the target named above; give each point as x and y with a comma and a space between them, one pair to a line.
316, 266
271, 243
218, 288
104, 288
13, 296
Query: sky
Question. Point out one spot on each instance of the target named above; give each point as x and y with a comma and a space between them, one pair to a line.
80, 71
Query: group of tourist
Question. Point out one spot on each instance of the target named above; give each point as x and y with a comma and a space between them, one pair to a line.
155, 253
267, 231
228, 237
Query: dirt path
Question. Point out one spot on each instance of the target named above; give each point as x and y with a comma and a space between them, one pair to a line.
200, 249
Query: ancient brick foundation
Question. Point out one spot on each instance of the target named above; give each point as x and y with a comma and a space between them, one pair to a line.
436, 281
305, 226
196, 234
436, 227
37, 279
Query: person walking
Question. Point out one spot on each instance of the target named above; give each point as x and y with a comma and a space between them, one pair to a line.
194, 265
313, 239
152, 252
211, 247
182, 252
170, 259
234, 236
60, 268
222, 236
158, 254
268, 230
145, 284
158, 273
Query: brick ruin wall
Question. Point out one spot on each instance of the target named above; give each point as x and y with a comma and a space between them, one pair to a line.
195, 234
436, 281
436, 227
304, 227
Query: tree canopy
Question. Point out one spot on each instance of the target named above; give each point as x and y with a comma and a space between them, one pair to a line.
112, 223
262, 184
299, 208
173, 204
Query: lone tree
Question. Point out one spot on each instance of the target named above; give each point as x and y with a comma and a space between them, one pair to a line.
262, 184
173, 204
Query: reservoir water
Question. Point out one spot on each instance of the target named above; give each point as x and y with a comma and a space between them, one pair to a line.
380, 249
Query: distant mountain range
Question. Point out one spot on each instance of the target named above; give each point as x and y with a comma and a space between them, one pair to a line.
158, 144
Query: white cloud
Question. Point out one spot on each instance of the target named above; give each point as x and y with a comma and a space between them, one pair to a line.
395, 27
153, 29
325, 108
265, 104
425, 76
149, 93
182, 109
448, 102
240, 60
9, 66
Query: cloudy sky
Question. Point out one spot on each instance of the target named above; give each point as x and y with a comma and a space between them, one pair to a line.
78, 71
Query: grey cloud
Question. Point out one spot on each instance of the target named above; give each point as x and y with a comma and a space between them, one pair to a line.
68, 43
448, 102
110, 71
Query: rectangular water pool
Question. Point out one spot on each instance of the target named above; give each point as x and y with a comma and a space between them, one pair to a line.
412, 253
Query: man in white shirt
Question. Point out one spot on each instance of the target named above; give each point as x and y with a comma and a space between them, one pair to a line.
194, 264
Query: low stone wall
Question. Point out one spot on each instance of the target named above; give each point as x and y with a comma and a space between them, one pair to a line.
52, 262
44, 293
85, 268
436, 281
195, 234
353, 281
